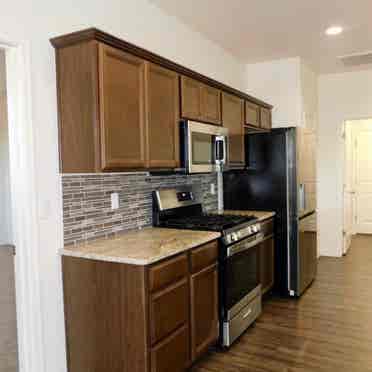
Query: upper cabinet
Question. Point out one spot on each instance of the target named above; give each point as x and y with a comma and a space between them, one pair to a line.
210, 104
190, 98
200, 102
116, 111
252, 114
265, 118
162, 117
119, 106
121, 109
257, 117
233, 119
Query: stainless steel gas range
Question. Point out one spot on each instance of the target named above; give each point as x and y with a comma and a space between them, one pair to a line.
239, 284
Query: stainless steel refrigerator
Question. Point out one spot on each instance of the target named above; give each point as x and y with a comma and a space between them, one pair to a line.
270, 183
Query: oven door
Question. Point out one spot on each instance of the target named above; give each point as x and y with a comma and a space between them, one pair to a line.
205, 147
240, 278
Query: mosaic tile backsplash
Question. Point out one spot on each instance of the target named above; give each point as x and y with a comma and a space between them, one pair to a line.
87, 213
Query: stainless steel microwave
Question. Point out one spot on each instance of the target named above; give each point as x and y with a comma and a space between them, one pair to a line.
204, 147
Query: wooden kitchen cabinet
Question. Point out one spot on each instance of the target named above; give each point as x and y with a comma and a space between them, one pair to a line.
190, 98
122, 109
200, 101
257, 117
116, 111
210, 104
252, 114
265, 118
233, 119
119, 105
132, 318
163, 116
204, 310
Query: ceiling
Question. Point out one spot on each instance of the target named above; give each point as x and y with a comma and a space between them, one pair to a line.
259, 30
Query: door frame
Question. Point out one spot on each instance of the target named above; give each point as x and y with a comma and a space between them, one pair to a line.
344, 124
24, 206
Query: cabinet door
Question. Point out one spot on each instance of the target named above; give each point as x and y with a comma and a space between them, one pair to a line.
172, 354
266, 260
122, 109
190, 98
210, 104
162, 117
265, 115
252, 114
204, 309
233, 119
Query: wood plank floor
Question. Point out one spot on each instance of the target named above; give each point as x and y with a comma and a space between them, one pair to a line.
328, 329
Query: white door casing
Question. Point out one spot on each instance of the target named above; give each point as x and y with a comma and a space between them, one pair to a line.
348, 187
362, 187
24, 206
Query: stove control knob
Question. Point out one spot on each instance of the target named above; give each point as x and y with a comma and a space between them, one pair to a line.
254, 228
239, 234
228, 239
249, 230
234, 237
258, 227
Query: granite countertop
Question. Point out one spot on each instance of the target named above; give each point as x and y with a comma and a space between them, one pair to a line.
261, 215
141, 247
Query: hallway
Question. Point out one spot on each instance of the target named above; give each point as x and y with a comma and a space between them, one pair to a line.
328, 329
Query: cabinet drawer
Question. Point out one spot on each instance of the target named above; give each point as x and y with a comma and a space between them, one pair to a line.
169, 310
243, 319
267, 227
167, 272
173, 354
204, 256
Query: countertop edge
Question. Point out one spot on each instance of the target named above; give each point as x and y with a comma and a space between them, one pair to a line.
134, 261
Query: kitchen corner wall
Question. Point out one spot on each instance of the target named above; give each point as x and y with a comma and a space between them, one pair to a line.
87, 210
342, 97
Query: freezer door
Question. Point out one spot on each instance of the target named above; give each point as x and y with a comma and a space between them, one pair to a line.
308, 254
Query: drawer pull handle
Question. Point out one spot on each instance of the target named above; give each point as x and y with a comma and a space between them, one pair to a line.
246, 315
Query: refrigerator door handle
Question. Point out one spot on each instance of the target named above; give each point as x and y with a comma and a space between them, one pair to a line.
302, 196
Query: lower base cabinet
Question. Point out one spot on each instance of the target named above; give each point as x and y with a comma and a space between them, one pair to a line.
172, 354
204, 310
129, 318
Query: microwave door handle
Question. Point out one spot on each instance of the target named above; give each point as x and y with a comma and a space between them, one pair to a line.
220, 146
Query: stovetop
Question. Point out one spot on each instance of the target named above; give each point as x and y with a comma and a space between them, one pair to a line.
210, 222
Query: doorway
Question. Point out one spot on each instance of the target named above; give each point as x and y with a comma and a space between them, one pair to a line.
357, 179
23, 227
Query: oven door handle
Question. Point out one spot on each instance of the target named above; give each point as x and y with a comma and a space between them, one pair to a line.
243, 246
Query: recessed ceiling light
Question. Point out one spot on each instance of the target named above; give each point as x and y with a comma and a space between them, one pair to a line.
334, 30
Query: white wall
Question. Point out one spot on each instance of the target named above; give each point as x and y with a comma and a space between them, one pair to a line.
341, 97
5, 203
139, 22
279, 83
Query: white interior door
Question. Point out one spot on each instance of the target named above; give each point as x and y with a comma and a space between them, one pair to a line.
362, 188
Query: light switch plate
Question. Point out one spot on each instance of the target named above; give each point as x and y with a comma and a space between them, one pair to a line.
114, 201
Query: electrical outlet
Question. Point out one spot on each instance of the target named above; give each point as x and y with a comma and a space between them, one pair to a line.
213, 189
114, 201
